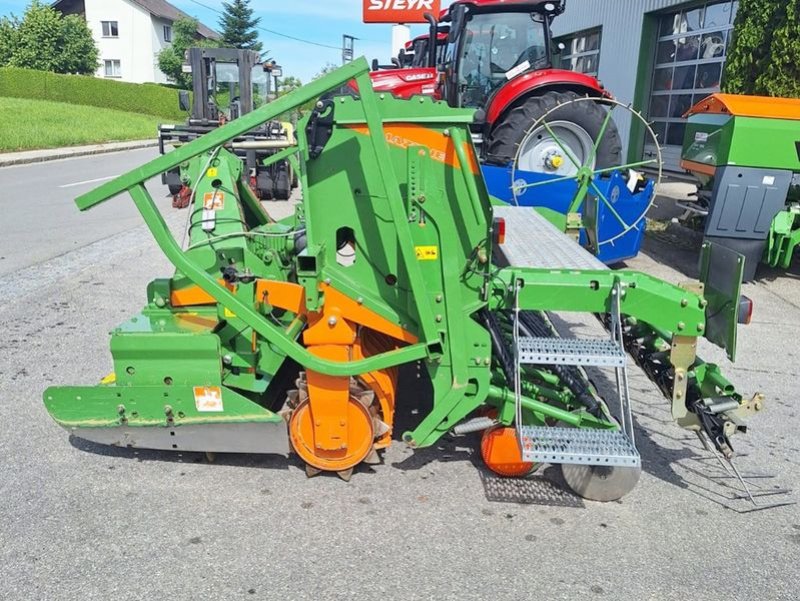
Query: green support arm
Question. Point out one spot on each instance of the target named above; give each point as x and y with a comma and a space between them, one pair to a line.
665, 306
224, 134
248, 315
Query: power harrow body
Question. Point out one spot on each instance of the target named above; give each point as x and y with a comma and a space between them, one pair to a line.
274, 336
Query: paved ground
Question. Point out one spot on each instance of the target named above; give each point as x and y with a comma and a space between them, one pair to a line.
80, 521
40, 220
49, 154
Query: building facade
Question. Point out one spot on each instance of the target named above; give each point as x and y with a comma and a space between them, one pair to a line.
129, 34
662, 56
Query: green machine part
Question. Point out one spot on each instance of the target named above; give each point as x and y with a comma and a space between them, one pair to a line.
387, 261
754, 134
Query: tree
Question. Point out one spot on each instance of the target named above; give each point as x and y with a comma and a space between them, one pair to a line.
288, 84
239, 25
47, 41
764, 56
328, 68
782, 75
171, 58
8, 40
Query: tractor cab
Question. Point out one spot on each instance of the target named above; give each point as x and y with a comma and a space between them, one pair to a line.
490, 43
417, 51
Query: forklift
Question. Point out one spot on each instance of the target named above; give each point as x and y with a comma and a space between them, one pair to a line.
226, 84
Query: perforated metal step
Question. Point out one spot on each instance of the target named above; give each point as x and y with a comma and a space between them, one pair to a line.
532, 241
577, 446
570, 351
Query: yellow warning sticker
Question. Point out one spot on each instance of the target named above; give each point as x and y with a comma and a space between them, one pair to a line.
427, 253
229, 314
212, 172
208, 398
213, 201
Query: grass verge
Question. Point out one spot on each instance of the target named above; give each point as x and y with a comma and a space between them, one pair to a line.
35, 124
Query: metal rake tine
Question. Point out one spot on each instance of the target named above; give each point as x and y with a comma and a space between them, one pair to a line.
744, 484
734, 475
732, 471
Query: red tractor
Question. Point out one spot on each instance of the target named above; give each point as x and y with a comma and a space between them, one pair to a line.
498, 60
417, 71
416, 54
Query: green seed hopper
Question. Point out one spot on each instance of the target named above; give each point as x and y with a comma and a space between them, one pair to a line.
745, 150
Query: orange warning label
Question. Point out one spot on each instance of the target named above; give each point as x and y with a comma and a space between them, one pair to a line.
213, 201
208, 398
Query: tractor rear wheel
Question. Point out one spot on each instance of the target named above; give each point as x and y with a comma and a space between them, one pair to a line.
574, 127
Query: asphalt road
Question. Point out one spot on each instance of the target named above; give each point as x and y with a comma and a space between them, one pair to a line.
81, 521
41, 222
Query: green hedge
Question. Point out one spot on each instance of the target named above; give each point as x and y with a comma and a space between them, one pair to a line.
147, 99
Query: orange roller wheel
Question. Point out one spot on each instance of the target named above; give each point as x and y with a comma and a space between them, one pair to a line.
501, 454
383, 382
360, 437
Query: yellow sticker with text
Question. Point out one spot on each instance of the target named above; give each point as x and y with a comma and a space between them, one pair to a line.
212, 172
427, 253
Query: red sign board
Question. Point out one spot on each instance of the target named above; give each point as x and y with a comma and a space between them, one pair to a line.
399, 11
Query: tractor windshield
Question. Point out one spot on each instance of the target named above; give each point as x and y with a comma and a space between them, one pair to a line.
496, 47
420, 50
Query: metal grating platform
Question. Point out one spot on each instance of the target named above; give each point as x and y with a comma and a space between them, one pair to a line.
532, 241
578, 446
570, 351
533, 490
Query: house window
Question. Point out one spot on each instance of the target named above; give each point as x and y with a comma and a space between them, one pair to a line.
167, 33
112, 68
110, 29
581, 51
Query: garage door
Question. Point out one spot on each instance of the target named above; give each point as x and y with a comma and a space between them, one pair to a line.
690, 54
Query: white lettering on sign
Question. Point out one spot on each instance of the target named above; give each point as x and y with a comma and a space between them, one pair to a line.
398, 11
400, 5
417, 76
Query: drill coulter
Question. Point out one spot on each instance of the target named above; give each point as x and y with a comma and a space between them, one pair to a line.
394, 256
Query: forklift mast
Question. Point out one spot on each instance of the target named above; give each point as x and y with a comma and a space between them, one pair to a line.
229, 83
206, 78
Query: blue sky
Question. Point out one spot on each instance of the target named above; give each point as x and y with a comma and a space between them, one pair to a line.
322, 21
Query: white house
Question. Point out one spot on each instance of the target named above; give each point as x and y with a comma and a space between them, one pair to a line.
130, 34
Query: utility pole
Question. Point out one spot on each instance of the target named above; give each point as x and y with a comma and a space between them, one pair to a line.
348, 48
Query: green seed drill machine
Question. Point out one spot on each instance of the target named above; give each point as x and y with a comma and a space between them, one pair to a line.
287, 336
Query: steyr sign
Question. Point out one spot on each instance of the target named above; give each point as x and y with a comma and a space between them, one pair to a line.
399, 11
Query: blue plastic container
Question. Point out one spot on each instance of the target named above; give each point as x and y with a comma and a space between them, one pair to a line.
614, 248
